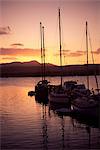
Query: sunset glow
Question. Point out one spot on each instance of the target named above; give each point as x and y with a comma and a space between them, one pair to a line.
20, 30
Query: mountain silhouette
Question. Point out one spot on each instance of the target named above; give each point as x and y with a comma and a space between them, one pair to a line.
33, 68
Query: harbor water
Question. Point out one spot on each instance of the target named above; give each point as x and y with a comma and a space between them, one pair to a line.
27, 124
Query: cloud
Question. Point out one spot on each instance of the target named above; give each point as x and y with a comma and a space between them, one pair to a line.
64, 52
20, 52
77, 53
97, 51
4, 30
70, 53
17, 44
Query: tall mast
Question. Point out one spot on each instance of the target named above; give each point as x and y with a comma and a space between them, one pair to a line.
60, 47
87, 54
94, 63
41, 50
43, 54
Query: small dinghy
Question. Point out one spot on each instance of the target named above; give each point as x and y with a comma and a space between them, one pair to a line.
31, 93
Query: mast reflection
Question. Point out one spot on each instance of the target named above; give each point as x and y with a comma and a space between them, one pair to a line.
44, 127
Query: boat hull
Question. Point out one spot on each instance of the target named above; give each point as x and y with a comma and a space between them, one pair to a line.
41, 93
86, 111
58, 98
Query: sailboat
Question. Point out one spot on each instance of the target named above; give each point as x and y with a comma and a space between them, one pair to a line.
41, 89
87, 105
57, 94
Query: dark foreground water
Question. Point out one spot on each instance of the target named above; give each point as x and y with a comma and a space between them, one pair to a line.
28, 125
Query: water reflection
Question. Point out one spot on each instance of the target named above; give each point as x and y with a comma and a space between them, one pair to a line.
30, 124
44, 127
92, 122
78, 123
44, 112
85, 127
88, 129
63, 132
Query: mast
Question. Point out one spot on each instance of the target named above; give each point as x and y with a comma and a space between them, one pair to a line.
43, 55
87, 54
41, 50
94, 63
60, 47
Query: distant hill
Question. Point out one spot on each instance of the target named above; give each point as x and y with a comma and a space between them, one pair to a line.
33, 68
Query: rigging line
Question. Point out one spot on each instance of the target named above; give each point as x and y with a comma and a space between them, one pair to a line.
82, 39
93, 63
55, 33
81, 45
62, 38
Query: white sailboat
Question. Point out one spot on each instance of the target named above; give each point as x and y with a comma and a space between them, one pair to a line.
87, 105
57, 93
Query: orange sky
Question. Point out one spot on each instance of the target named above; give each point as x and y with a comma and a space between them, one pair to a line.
20, 30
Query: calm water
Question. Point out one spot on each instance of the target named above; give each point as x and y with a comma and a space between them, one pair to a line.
28, 125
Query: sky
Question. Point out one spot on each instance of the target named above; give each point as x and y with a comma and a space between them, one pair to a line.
20, 30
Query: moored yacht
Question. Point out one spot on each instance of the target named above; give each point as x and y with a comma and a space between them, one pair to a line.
88, 104
41, 89
57, 93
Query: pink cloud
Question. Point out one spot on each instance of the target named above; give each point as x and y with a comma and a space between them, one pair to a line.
20, 52
4, 30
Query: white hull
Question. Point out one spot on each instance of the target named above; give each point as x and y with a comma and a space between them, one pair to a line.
58, 98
